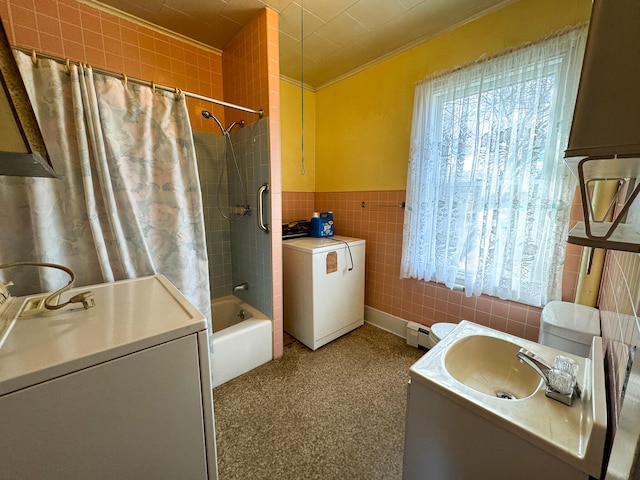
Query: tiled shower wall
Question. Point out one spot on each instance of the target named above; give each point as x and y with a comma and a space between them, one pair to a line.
250, 246
378, 218
210, 153
619, 302
238, 250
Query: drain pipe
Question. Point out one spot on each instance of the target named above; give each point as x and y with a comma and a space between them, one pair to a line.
592, 262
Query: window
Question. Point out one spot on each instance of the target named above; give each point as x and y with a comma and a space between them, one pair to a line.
488, 194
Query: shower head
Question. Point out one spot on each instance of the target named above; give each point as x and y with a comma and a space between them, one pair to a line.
207, 114
240, 122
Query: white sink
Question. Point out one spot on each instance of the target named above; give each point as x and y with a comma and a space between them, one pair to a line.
460, 425
490, 366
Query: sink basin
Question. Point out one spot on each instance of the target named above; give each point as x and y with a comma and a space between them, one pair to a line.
460, 426
489, 365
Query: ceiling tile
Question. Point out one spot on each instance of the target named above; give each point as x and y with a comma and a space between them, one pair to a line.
342, 30
317, 47
185, 25
146, 11
195, 8
290, 20
277, 5
373, 13
340, 35
328, 9
287, 42
242, 11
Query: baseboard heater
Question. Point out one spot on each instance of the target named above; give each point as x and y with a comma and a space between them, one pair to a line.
419, 336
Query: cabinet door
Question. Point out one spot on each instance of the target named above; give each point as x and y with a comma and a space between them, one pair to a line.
136, 417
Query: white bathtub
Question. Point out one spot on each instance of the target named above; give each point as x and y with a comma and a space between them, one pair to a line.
239, 345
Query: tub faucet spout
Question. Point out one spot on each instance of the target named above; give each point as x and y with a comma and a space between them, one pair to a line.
240, 288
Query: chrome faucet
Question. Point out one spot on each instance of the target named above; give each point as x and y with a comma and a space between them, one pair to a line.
554, 389
540, 366
240, 288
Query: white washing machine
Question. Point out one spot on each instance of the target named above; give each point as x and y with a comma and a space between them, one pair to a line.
323, 287
121, 390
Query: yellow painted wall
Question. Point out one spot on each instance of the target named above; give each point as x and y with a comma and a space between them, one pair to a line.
363, 123
291, 138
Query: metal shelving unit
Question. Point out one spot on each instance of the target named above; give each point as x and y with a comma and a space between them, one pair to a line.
596, 232
604, 142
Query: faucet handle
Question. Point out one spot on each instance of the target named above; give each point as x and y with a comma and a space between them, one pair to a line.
4, 291
561, 381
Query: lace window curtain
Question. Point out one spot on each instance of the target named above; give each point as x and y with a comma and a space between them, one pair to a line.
488, 194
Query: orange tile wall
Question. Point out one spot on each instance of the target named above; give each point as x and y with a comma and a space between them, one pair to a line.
380, 223
297, 205
67, 29
252, 78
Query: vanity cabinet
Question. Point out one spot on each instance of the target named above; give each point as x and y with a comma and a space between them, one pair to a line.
445, 440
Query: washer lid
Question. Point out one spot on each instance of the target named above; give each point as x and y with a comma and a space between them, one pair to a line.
129, 316
572, 321
318, 245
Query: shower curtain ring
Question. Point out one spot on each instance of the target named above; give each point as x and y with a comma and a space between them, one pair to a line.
153, 87
67, 66
34, 57
124, 80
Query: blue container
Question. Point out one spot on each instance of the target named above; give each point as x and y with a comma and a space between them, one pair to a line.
322, 225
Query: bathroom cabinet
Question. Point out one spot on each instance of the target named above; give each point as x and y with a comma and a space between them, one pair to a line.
447, 441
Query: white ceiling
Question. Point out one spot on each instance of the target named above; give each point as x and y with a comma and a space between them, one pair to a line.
340, 36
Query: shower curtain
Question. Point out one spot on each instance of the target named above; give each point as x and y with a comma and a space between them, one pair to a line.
127, 202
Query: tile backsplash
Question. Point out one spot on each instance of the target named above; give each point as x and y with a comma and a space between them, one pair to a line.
618, 302
377, 216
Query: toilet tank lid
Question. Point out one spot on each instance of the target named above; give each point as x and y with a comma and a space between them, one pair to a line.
580, 321
442, 329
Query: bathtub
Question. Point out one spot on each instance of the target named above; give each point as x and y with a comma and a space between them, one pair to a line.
239, 344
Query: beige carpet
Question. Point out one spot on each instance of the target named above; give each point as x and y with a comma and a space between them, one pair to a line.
336, 413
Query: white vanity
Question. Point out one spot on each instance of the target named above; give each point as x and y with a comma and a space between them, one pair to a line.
475, 411
121, 390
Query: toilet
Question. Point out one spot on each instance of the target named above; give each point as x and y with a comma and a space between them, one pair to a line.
420, 336
441, 330
569, 327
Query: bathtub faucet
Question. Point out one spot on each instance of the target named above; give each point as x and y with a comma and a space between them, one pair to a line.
242, 287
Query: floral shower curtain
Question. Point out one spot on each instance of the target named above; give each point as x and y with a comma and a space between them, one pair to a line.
127, 202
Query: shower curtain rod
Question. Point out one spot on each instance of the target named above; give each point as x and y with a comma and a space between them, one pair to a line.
122, 76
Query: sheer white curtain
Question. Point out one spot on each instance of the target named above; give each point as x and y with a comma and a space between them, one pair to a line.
488, 194
127, 202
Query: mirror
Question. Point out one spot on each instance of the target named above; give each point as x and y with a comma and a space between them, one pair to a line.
22, 149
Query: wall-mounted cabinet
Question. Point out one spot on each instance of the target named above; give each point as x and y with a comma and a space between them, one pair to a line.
604, 143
